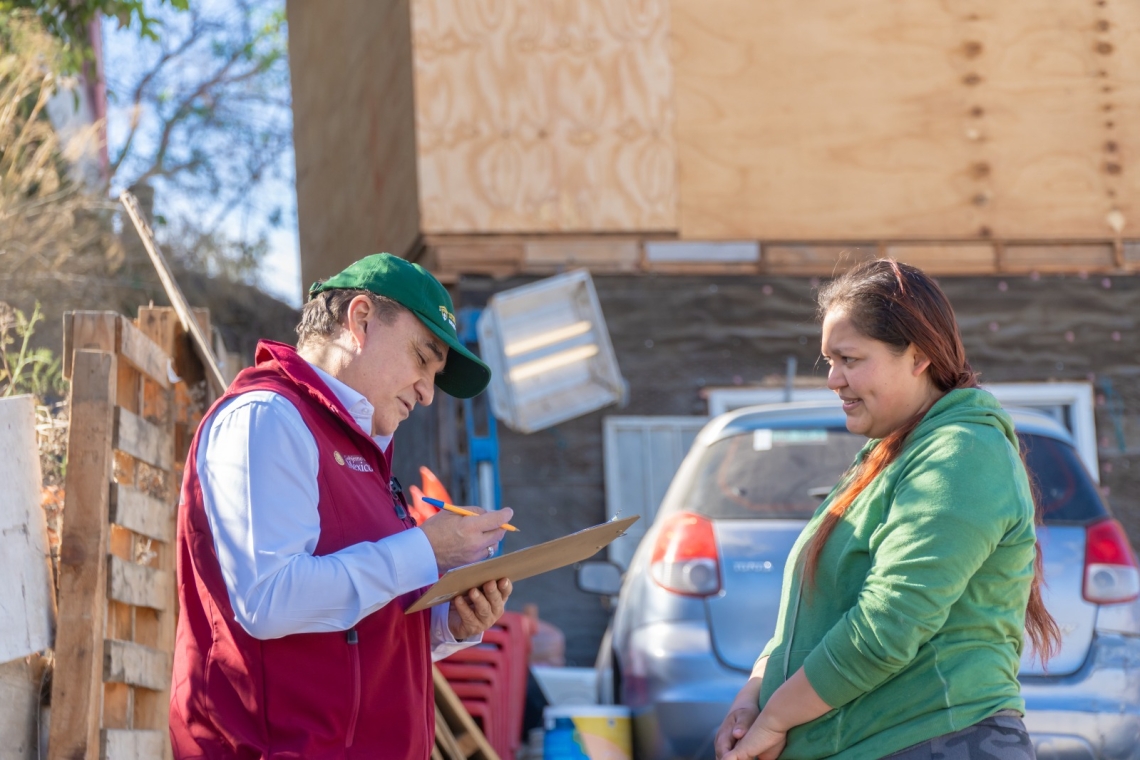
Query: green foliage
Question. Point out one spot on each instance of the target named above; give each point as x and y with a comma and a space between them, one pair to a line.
26, 370
69, 20
210, 131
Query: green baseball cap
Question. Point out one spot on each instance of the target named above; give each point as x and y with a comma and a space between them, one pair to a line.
412, 286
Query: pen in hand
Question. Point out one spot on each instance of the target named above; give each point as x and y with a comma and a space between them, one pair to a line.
461, 511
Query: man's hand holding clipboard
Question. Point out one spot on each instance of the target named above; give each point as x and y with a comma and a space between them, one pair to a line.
524, 563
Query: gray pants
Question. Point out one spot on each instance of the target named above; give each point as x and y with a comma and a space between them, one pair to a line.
1000, 737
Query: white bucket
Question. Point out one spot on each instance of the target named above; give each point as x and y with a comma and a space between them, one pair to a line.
587, 732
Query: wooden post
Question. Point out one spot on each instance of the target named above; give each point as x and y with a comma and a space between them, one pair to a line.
78, 679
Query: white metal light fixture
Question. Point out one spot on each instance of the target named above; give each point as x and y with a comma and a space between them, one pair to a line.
549, 353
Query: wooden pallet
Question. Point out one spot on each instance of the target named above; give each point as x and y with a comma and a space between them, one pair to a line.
457, 737
117, 593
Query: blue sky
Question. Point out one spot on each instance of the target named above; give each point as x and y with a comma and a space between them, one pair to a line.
126, 58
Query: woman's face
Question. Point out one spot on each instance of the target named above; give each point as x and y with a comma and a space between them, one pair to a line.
880, 388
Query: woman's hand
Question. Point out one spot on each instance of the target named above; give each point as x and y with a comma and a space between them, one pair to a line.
734, 727
742, 713
762, 741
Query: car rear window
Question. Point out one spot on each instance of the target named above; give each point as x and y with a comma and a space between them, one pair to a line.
770, 473
787, 473
1065, 493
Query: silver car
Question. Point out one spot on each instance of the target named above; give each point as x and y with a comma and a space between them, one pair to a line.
700, 597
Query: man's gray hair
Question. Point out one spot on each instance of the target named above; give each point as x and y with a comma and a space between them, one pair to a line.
324, 315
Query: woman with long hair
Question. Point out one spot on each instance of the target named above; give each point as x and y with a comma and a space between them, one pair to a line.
907, 596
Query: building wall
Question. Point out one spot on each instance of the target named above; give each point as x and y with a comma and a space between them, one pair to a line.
544, 116
353, 131
817, 121
676, 335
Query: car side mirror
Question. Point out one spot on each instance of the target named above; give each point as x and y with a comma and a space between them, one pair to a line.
599, 577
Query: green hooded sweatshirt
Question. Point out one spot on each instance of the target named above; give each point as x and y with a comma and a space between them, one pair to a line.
913, 627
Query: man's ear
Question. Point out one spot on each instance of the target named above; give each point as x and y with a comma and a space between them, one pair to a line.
356, 318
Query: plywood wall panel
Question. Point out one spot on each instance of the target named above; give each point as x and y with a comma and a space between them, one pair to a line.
544, 115
926, 120
353, 131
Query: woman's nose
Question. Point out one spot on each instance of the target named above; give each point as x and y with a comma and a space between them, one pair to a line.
835, 379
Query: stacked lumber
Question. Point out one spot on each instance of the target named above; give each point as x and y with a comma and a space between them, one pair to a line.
117, 594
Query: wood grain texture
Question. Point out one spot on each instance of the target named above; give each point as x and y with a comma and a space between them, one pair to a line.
143, 514
77, 682
161, 326
118, 744
143, 353
544, 116
142, 439
20, 682
353, 131
137, 585
928, 120
27, 598
135, 664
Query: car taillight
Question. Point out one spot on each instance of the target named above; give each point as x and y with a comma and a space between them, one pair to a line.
1111, 573
685, 558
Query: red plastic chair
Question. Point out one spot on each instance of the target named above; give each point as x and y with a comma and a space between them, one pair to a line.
480, 681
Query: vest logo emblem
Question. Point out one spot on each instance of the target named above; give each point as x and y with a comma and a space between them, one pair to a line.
358, 463
339, 459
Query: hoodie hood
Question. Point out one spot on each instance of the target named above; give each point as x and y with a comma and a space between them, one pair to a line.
967, 406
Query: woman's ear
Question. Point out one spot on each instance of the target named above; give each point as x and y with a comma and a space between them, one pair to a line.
921, 362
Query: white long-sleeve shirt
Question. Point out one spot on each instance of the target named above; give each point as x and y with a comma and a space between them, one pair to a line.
257, 463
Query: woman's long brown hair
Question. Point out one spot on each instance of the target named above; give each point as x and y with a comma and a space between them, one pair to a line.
901, 306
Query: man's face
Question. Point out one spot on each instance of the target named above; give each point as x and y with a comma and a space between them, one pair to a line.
395, 364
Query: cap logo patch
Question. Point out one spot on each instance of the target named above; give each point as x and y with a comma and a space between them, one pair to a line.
447, 316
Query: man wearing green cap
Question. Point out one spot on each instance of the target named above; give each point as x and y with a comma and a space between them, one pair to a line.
297, 555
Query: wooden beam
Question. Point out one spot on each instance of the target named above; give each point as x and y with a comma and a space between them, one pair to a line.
143, 440
143, 353
947, 259
77, 683
120, 744
134, 664
1058, 258
174, 293
135, 584
88, 330
135, 510
161, 327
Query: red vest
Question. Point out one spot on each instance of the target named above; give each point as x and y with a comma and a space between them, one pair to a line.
363, 693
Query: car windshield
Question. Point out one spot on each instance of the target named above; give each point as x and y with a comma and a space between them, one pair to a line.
772, 473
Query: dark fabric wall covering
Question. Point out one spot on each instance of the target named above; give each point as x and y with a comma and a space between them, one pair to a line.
675, 335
